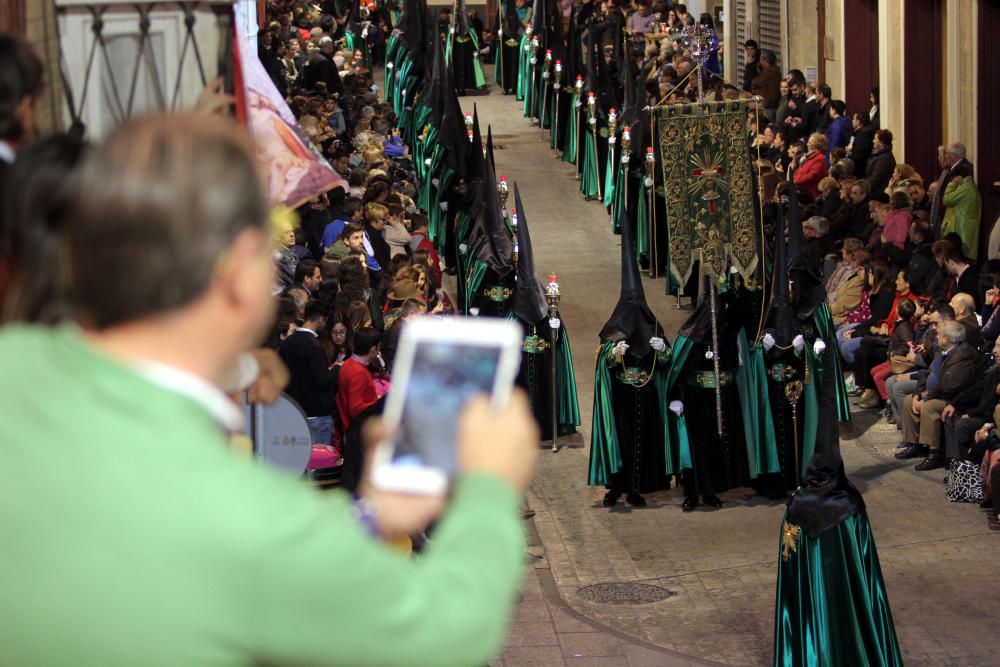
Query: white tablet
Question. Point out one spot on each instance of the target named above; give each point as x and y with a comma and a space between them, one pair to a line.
441, 363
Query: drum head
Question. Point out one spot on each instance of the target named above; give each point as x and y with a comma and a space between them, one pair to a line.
280, 434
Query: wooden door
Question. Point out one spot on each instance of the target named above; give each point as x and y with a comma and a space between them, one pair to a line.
987, 161
923, 45
860, 53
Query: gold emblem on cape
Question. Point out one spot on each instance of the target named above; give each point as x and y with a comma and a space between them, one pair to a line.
498, 293
789, 540
533, 344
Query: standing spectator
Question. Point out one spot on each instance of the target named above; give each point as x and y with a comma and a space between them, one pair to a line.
320, 69
962, 276
821, 117
313, 383
862, 143
767, 83
308, 275
752, 67
881, 163
963, 208
284, 257
838, 132
357, 382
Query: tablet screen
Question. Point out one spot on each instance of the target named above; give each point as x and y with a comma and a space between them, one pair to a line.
445, 375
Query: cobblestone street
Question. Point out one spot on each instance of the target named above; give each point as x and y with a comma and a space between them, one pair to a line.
716, 567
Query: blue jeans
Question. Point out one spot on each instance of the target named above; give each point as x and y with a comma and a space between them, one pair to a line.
321, 429
848, 346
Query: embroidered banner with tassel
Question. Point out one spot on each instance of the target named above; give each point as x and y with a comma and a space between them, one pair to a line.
707, 186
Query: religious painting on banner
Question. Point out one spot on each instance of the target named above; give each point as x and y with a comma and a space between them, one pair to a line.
708, 188
295, 169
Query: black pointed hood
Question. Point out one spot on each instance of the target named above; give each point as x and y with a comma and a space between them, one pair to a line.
489, 237
632, 320
698, 327
780, 318
630, 113
529, 302
808, 289
489, 147
826, 497
476, 159
434, 91
460, 18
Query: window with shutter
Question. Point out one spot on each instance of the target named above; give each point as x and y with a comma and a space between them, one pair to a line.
742, 35
769, 21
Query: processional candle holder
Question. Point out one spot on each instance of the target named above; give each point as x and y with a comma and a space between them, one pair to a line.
468, 125
552, 297
503, 191
698, 40
546, 65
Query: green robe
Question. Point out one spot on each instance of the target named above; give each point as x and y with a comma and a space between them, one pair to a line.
831, 607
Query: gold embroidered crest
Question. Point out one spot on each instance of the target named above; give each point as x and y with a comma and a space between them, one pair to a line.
789, 540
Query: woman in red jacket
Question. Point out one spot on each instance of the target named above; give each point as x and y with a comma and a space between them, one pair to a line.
813, 167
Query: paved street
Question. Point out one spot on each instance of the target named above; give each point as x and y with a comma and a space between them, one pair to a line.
714, 570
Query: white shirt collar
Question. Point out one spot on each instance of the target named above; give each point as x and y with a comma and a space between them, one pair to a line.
7, 152
199, 390
306, 329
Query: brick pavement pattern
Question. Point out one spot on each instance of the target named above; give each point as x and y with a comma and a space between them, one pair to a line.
937, 557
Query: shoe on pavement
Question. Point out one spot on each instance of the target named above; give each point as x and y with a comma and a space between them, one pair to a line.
911, 451
933, 461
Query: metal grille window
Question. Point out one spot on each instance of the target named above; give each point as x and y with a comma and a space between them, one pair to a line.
742, 35
769, 21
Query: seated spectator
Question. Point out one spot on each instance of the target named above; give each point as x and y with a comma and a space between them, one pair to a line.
953, 369
853, 218
814, 167
313, 383
875, 343
818, 244
904, 383
963, 276
969, 411
990, 314
876, 302
965, 314
829, 197
900, 355
848, 294
847, 268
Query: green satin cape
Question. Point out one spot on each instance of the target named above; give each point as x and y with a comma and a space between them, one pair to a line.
826, 331
572, 135
831, 606
758, 423
609, 179
589, 186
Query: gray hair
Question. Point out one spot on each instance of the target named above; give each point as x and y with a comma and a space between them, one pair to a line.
769, 57
952, 330
957, 148
819, 224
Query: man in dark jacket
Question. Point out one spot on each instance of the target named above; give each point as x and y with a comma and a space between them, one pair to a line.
751, 69
312, 383
767, 82
320, 68
973, 407
952, 371
861, 143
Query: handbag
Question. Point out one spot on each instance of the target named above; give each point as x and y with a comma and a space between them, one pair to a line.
898, 363
965, 485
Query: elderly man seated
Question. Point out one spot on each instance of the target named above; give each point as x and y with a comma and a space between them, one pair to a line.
955, 366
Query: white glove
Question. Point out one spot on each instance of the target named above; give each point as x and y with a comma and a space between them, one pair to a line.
819, 346
578, 104
612, 140
545, 75
625, 159
556, 86
364, 34
648, 182
534, 61
463, 248
436, 182
427, 162
677, 408
657, 344
390, 65
592, 121
620, 349
768, 341
474, 312
443, 206
799, 343
554, 323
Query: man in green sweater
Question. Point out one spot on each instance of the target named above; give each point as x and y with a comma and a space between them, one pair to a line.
132, 536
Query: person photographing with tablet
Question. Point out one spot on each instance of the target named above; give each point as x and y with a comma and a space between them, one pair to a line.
146, 540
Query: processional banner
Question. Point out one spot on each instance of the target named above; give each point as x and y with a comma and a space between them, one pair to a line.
708, 188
